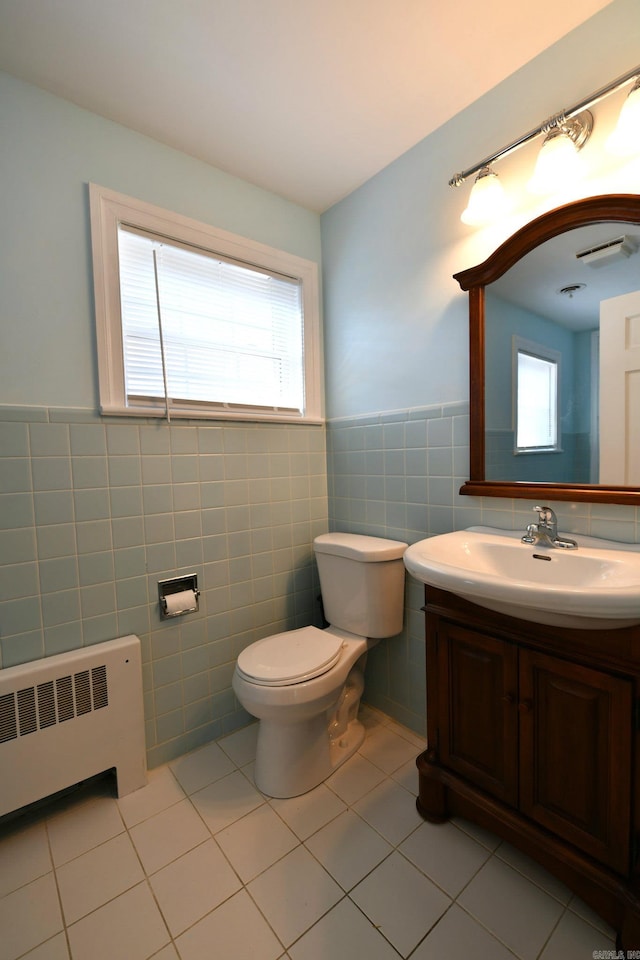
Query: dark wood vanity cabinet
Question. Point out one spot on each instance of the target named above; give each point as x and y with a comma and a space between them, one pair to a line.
532, 732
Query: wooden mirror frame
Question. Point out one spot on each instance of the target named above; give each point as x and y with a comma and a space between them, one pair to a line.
612, 207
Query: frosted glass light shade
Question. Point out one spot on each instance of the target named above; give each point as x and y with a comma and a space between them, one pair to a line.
625, 139
487, 200
558, 165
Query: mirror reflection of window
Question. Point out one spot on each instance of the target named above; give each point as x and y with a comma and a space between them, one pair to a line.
536, 397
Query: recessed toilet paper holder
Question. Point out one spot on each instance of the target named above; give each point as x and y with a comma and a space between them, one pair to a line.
178, 595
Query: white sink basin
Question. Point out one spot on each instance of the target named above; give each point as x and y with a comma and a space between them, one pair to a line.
594, 587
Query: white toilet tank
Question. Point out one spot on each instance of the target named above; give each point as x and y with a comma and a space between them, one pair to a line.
362, 583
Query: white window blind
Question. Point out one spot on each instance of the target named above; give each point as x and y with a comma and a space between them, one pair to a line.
232, 334
537, 403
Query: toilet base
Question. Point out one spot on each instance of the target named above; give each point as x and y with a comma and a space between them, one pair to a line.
292, 759
346, 745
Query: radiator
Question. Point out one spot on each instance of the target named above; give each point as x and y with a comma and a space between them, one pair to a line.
69, 717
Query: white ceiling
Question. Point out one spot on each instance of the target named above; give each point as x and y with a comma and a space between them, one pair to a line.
307, 98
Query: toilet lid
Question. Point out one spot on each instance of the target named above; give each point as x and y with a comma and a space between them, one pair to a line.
290, 657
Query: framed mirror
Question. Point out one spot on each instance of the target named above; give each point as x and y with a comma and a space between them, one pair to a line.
554, 357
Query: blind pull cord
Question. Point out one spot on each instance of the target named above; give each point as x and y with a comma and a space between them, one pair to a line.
164, 364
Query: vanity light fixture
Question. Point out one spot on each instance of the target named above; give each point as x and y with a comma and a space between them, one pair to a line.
486, 200
625, 139
565, 133
558, 164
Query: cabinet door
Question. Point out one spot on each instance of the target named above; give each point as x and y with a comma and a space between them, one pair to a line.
575, 754
477, 721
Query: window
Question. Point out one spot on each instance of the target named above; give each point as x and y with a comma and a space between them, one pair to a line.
196, 322
536, 397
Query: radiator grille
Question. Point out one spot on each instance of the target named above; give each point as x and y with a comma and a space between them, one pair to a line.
33, 708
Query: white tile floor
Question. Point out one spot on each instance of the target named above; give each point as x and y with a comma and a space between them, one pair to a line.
199, 865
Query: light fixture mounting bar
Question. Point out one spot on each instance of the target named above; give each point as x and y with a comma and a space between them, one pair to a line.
555, 121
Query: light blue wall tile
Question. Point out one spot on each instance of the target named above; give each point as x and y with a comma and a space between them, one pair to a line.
19, 580
184, 439
170, 726
126, 501
124, 471
212, 467
157, 498
62, 638
169, 698
184, 469
212, 495
101, 628
22, 648
61, 573
210, 439
440, 462
98, 600
440, 432
93, 536
91, 504
14, 439
127, 531
158, 528
60, 607
52, 473
17, 546
49, 440
15, 475
57, 540
129, 562
53, 507
16, 510
122, 440
95, 568
189, 553
161, 557
134, 620
186, 496
89, 471
155, 439
188, 524
88, 440
131, 592
156, 469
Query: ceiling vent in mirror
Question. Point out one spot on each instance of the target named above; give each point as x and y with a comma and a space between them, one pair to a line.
572, 288
603, 253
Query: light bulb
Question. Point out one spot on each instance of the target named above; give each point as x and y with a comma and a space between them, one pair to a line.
625, 139
558, 164
487, 199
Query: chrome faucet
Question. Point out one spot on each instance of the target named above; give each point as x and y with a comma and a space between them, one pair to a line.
545, 531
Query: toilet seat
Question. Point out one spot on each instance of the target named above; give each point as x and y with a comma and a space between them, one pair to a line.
291, 657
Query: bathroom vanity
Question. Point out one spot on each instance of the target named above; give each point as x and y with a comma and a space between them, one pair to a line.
534, 733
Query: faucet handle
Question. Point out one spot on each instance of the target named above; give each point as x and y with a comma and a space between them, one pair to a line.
545, 513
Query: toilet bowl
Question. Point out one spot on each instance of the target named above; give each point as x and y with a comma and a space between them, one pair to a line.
304, 685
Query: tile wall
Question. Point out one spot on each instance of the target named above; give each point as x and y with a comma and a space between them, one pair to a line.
94, 512
397, 475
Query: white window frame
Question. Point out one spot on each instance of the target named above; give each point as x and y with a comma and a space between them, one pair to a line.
541, 352
110, 209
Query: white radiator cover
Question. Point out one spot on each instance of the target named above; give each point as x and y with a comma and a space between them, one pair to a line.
69, 717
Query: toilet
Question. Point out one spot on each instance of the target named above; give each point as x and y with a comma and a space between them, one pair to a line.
304, 685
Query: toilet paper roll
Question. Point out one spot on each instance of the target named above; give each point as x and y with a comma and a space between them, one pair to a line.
181, 602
